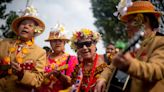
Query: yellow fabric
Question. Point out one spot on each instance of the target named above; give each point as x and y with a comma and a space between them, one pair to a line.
31, 78
148, 72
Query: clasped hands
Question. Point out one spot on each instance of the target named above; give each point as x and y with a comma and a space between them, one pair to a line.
17, 70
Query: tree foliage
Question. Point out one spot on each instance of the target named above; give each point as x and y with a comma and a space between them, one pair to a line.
107, 24
159, 4
8, 18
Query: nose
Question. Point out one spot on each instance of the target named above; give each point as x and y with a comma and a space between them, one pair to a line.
26, 25
84, 47
58, 41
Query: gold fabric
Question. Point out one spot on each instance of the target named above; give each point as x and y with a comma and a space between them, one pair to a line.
31, 78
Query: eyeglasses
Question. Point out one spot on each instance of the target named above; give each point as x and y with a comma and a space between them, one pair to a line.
81, 44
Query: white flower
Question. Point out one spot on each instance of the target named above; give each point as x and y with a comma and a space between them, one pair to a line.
122, 7
29, 11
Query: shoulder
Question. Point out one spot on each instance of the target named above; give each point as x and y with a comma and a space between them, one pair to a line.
73, 58
7, 41
101, 57
157, 42
159, 38
38, 49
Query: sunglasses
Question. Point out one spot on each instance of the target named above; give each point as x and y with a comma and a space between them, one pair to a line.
81, 44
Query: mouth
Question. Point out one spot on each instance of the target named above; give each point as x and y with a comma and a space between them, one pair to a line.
57, 46
86, 52
24, 31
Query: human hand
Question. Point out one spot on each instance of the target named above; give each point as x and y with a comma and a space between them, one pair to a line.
100, 85
17, 70
122, 61
16, 66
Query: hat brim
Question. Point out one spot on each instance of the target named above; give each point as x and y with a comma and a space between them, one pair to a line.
56, 39
126, 16
17, 21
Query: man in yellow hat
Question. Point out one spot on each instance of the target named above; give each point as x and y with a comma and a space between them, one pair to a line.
146, 66
22, 62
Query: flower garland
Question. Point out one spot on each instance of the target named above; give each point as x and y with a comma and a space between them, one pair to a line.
84, 34
55, 64
76, 76
19, 57
58, 61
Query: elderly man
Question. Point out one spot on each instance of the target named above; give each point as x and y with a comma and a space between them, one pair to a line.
145, 65
22, 62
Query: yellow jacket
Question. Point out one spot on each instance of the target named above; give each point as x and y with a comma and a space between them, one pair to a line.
147, 71
31, 78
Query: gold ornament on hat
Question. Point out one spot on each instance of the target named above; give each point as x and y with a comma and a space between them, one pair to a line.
58, 32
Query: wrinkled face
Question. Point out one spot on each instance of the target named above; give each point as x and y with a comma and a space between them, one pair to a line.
111, 49
57, 45
26, 29
86, 49
133, 24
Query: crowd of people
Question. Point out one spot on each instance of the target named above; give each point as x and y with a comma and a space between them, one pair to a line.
26, 67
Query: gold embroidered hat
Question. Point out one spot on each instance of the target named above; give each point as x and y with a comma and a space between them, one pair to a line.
58, 32
140, 7
29, 13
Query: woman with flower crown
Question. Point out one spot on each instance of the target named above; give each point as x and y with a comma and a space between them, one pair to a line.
91, 65
22, 62
60, 64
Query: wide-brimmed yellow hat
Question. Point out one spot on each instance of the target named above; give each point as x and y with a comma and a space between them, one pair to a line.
140, 7
57, 33
28, 15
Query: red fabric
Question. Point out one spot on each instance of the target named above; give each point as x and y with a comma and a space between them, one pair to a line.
91, 80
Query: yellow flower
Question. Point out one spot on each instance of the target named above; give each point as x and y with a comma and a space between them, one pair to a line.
24, 50
19, 60
61, 29
52, 66
29, 43
86, 32
7, 59
12, 49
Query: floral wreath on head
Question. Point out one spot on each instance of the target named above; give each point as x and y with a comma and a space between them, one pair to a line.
84, 33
